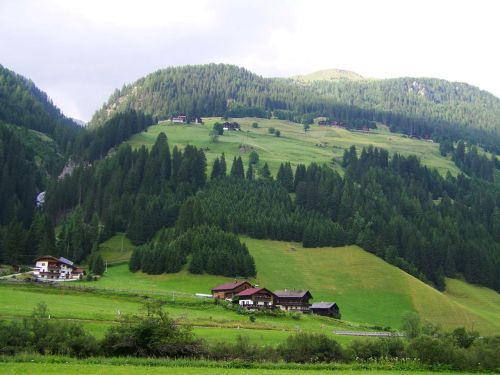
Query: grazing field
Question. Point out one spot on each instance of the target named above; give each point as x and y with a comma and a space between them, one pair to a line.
367, 289
319, 144
117, 249
371, 294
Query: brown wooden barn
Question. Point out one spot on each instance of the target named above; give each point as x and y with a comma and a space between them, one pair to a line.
326, 308
293, 300
228, 290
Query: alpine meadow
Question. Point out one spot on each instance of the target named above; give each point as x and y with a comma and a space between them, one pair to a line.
208, 219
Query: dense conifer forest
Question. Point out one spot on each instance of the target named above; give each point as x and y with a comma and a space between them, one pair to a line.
425, 223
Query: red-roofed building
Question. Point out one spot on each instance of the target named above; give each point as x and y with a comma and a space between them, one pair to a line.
256, 298
228, 290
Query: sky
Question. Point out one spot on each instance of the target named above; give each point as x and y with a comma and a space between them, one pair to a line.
80, 51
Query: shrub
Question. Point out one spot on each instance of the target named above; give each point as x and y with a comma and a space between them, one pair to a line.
271, 130
306, 347
381, 348
277, 133
255, 125
154, 334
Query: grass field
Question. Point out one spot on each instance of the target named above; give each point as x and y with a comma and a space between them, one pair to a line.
369, 292
367, 289
12, 368
319, 144
117, 249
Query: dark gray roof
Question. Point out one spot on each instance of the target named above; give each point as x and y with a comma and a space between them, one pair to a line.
323, 305
292, 293
66, 261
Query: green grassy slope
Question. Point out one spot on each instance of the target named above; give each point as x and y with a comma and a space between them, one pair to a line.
367, 289
319, 144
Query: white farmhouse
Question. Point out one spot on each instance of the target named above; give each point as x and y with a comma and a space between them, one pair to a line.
56, 269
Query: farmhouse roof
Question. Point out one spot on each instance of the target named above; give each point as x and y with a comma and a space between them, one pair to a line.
323, 305
252, 291
59, 260
66, 261
229, 286
47, 257
292, 293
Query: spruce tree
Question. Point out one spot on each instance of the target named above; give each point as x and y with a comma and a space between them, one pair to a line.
215, 169
223, 166
135, 260
98, 266
264, 172
250, 172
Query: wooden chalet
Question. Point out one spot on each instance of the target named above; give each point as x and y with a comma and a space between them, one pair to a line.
256, 298
293, 300
183, 119
179, 119
231, 126
326, 308
56, 269
228, 290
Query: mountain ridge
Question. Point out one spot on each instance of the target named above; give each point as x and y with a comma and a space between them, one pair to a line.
424, 107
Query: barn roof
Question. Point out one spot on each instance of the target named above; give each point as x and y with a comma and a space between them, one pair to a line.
323, 305
229, 286
66, 261
252, 291
47, 257
292, 293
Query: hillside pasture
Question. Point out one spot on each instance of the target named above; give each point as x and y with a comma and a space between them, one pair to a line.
319, 144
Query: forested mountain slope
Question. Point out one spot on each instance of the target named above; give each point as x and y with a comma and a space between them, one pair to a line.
416, 106
25, 105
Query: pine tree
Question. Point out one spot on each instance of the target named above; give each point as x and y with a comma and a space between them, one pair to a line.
215, 169
135, 260
98, 266
250, 172
223, 167
237, 168
264, 172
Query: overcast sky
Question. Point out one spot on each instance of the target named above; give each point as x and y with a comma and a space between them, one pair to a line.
79, 51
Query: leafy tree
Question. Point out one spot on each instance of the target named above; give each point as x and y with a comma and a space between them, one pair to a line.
218, 128
410, 323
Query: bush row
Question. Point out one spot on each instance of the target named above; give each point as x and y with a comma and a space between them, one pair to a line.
154, 334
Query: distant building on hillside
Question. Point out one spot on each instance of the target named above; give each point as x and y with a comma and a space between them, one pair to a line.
293, 300
256, 298
183, 119
231, 126
179, 119
326, 308
228, 290
56, 269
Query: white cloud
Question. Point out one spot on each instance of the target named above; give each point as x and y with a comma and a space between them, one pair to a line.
79, 51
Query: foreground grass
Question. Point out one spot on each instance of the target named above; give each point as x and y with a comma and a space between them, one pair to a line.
34, 364
319, 144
